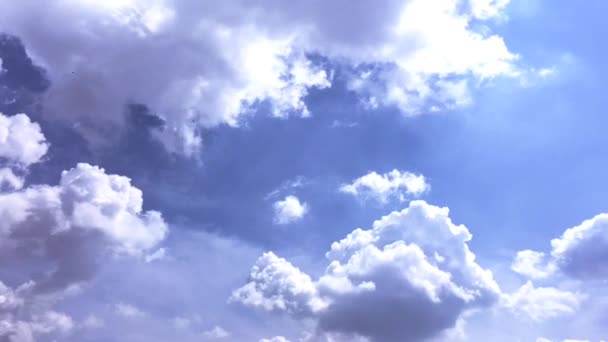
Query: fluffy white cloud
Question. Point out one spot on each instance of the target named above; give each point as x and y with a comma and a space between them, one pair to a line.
540, 303
289, 210
531, 264
52, 238
21, 141
581, 252
86, 201
216, 333
382, 187
202, 64
276, 285
409, 277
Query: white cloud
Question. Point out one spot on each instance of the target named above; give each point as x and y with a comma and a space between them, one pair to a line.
486, 9
216, 333
289, 210
275, 339
531, 264
52, 321
382, 187
377, 275
197, 64
67, 230
128, 311
541, 303
21, 141
581, 252
276, 285
159, 254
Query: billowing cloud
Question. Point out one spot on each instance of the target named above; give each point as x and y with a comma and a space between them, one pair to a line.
199, 65
21, 141
53, 238
581, 253
382, 187
540, 303
289, 210
410, 276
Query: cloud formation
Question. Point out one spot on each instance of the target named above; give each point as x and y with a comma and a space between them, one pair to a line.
289, 210
53, 238
541, 303
581, 253
382, 187
411, 276
21, 141
197, 65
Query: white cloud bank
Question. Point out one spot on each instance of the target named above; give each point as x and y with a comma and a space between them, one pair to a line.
382, 187
200, 64
410, 276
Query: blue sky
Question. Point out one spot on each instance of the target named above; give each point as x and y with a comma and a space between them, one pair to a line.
406, 170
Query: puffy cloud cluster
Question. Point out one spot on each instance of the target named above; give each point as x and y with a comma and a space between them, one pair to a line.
52, 238
382, 187
409, 277
207, 63
581, 253
289, 210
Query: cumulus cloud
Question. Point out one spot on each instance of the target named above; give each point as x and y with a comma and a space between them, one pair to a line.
581, 253
21, 141
203, 64
411, 276
89, 213
216, 333
289, 210
382, 187
541, 303
531, 264
53, 238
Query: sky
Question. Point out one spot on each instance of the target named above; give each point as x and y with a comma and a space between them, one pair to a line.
303, 171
